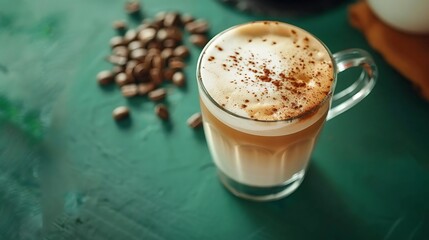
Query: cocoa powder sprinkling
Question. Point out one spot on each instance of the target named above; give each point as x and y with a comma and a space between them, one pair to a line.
280, 85
219, 48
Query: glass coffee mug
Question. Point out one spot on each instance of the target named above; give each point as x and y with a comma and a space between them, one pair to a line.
266, 90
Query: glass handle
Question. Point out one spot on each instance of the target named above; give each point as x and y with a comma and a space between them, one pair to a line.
347, 98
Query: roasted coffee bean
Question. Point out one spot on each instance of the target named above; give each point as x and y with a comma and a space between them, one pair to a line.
160, 16
129, 90
176, 63
158, 24
198, 40
175, 34
157, 61
153, 51
153, 58
154, 45
157, 94
195, 120
138, 54
172, 19
117, 69
170, 43
145, 88
148, 60
181, 51
117, 41
169, 33
178, 79
117, 60
120, 26
132, 7
122, 79
130, 67
186, 18
168, 74
143, 26
162, 34
105, 77
152, 23
166, 54
146, 35
135, 45
141, 72
162, 111
197, 27
120, 51
156, 76
120, 113
130, 35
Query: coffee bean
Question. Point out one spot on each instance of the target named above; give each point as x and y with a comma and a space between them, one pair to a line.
170, 43
162, 34
195, 120
129, 90
145, 88
120, 51
148, 60
186, 18
174, 33
156, 76
152, 23
176, 63
117, 69
134, 45
166, 54
117, 41
162, 111
153, 58
146, 35
138, 54
130, 67
153, 51
141, 72
120, 26
158, 24
197, 27
168, 74
120, 113
172, 19
117, 60
122, 79
130, 35
154, 45
157, 61
132, 7
178, 79
157, 94
160, 16
105, 77
142, 26
198, 40
181, 51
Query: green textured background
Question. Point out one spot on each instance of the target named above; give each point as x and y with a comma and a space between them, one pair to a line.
68, 171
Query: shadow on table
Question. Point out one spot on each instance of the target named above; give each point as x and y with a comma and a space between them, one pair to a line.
314, 211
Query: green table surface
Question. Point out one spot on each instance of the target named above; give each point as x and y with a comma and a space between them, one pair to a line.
68, 171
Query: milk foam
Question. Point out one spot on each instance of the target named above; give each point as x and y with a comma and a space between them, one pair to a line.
265, 71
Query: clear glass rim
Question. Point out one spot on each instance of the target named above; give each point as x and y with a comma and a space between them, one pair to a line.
291, 119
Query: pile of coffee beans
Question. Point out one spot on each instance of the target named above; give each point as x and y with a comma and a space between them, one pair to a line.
151, 55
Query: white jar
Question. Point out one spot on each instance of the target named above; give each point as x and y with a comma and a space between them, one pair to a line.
406, 15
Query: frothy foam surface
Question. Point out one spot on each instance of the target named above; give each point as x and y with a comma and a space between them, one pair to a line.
267, 71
